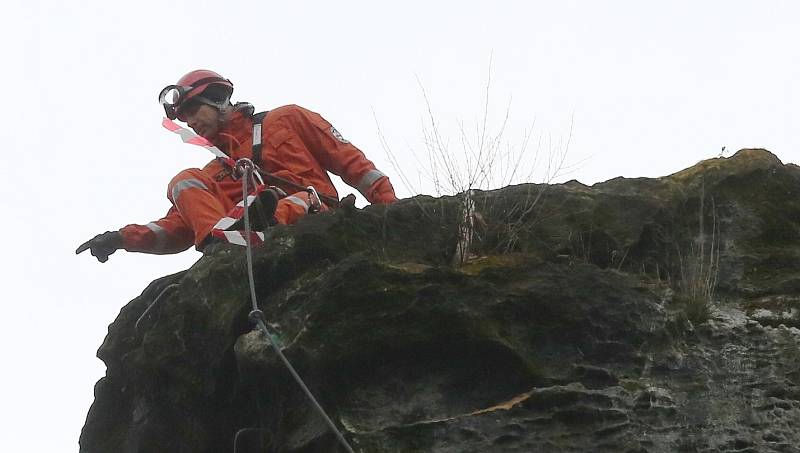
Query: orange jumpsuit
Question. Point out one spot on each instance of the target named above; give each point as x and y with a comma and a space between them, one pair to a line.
298, 145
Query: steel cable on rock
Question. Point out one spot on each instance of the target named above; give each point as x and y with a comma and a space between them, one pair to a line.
256, 316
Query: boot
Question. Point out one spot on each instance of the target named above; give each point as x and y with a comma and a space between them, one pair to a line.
261, 212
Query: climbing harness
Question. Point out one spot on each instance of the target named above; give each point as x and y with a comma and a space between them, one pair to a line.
193, 139
258, 177
256, 316
327, 199
258, 119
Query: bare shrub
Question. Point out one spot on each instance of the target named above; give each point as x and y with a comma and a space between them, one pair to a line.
482, 160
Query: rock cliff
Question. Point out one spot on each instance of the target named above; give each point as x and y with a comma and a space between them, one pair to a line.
635, 315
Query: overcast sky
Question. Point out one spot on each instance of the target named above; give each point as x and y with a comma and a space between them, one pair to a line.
646, 89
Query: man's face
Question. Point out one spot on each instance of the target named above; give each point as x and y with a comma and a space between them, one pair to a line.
202, 118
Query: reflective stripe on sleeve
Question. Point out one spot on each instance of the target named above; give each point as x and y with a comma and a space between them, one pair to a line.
368, 180
298, 201
186, 184
161, 235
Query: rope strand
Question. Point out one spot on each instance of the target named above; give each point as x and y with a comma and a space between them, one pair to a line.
257, 316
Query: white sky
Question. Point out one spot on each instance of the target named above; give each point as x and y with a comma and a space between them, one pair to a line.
648, 89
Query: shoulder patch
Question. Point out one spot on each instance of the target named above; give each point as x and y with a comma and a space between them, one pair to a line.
338, 135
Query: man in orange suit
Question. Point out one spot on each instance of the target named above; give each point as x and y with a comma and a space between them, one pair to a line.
298, 149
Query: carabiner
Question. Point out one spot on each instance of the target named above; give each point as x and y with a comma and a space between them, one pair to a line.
314, 205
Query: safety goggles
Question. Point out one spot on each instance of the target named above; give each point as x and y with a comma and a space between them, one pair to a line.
173, 96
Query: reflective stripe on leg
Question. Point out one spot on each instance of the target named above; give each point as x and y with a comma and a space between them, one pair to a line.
180, 186
291, 208
298, 201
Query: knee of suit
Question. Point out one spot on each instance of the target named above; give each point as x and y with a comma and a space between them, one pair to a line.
293, 207
191, 178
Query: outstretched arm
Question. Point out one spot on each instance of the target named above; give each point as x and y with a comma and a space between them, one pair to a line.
166, 235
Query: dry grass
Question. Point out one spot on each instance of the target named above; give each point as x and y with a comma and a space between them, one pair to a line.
699, 265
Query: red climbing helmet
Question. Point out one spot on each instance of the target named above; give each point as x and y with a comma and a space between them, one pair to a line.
194, 85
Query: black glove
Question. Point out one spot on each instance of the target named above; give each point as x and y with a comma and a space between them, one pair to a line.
102, 245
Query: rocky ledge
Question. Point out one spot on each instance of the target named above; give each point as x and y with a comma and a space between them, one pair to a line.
635, 315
